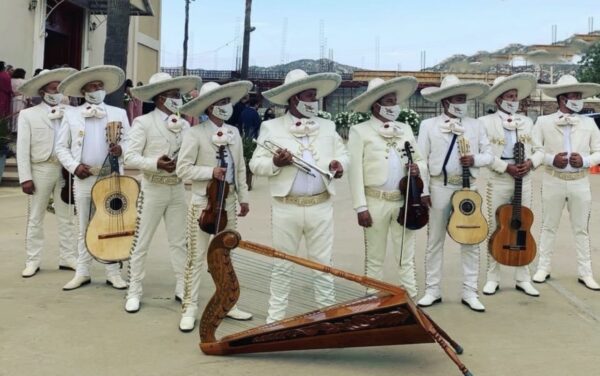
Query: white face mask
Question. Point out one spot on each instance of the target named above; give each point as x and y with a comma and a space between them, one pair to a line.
173, 104
390, 112
308, 109
510, 106
574, 105
459, 110
223, 112
95, 97
53, 99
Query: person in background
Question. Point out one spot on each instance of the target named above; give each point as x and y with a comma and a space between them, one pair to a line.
133, 104
250, 119
269, 114
5, 91
237, 111
19, 101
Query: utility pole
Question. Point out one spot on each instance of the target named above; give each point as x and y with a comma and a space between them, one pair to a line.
186, 35
115, 47
246, 49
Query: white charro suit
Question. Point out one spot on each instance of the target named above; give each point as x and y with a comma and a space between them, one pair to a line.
37, 162
197, 160
162, 196
434, 144
69, 149
370, 170
500, 185
296, 215
568, 186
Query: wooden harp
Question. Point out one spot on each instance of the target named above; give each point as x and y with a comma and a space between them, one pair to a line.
389, 317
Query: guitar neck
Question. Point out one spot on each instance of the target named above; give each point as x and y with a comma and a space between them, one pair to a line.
114, 163
517, 198
466, 177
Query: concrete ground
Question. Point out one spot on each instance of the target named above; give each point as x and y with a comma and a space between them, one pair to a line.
46, 331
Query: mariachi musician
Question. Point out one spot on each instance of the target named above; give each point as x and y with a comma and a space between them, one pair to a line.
376, 168
301, 198
198, 162
571, 144
438, 139
505, 128
40, 171
82, 148
154, 140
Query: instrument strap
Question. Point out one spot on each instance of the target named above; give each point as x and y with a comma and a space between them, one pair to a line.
447, 158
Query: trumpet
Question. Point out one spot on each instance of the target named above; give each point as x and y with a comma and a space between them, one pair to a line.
298, 162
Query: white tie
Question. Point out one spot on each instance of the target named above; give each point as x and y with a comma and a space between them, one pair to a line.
511, 124
390, 130
567, 120
174, 123
91, 110
304, 127
452, 126
222, 137
56, 112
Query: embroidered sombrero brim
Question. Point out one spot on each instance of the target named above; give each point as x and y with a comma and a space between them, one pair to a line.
524, 83
587, 89
113, 78
324, 83
404, 87
471, 89
185, 84
32, 86
233, 90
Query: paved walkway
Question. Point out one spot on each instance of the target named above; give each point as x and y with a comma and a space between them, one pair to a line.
45, 331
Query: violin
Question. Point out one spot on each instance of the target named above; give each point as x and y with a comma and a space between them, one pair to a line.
67, 191
414, 215
213, 218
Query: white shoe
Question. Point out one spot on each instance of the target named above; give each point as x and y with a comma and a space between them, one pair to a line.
428, 300
237, 314
132, 305
527, 288
491, 287
540, 276
68, 265
187, 324
30, 270
589, 282
116, 282
474, 304
77, 282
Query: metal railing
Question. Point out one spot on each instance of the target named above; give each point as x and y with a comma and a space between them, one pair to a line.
220, 75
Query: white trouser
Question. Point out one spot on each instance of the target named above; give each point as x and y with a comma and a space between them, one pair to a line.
197, 246
289, 223
48, 182
500, 190
577, 196
469, 254
83, 193
159, 201
384, 215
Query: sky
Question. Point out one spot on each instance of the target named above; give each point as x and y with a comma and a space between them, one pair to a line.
352, 28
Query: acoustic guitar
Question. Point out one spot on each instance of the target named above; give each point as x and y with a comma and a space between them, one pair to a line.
512, 243
110, 233
466, 225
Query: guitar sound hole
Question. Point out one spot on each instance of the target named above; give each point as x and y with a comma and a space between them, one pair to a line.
467, 207
115, 204
515, 224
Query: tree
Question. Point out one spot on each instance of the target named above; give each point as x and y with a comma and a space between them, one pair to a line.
186, 35
589, 65
115, 47
246, 49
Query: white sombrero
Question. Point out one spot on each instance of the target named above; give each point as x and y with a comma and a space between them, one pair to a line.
451, 86
404, 87
32, 86
161, 82
298, 80
112, 77
569, 84
524, 83
212, 92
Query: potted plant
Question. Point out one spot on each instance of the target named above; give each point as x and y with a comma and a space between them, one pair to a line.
5, 139
249, 147
411, 118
